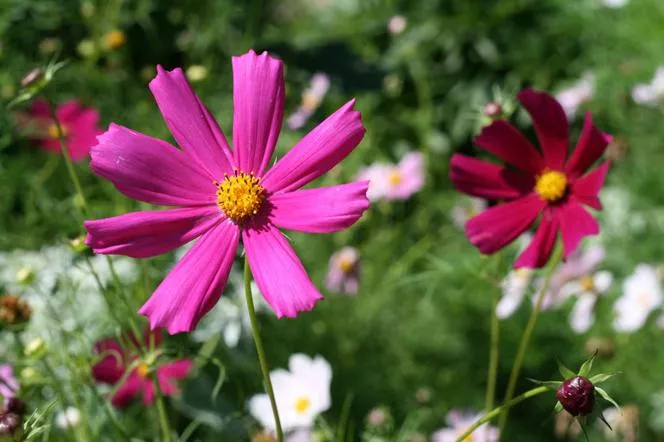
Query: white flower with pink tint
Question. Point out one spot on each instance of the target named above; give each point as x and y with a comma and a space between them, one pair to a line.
395, 181
615, 3
311, 99
576, 95
457, 424
465, 209
344, 271
397, 24
588, 289
515, 284
650, 94
302, 394
642, 294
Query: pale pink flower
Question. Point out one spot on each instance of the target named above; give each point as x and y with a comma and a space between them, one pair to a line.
344, 271
397, 24
642, 294
311, 99
458, 422
395, 181
650, 94
8, 383
577, 94
224, 195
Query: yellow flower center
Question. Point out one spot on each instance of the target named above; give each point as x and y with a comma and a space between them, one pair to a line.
114, 39
143, 370
302, 405
346, 264
587, 283
54, 133
395, 177
240, 196
310, 101
551, 185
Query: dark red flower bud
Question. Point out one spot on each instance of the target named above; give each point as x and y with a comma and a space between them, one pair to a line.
493, 110
14, 405
11, 424
577, 396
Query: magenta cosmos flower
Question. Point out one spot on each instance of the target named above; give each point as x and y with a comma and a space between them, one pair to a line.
79, 126
116, 360
545, 185
226, 194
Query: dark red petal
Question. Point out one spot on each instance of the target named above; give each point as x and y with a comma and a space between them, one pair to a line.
588, 150
486, 180
506, 142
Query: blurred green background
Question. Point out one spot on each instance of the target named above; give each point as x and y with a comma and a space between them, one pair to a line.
421, 319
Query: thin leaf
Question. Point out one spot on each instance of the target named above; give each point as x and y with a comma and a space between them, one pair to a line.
564, 371
583, 428
587, 366
606, 396
553, 385
558, 408
603, 419
602, 377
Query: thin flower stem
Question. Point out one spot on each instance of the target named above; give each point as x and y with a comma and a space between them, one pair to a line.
161, 409
259, 349
525, 338
495, 346
502, 409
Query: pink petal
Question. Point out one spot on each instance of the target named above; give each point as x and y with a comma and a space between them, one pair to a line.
110, 368
506, 142
320, 210
191, 123
68, 111
498, 226
588, 150
195, 284
150, 170
575, 224
146, 234
539, 250
173, 371
270, 258
148, 392
486, 180
551, 125
586, 189
258, 109
128, 391
320, 150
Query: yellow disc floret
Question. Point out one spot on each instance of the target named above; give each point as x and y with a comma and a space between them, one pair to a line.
54, 133
302, 405
551, 185
143, 370
240, 196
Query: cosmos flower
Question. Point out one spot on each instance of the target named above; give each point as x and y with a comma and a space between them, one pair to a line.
465, 209
395, 181
515, 285
79, 126
577, 94
543, 185
301, 393
116, 360
311, 99
397, 24
642, 294
226, 194
8, 383
650, 94
458, 422
344, 271
68, 419
588, 289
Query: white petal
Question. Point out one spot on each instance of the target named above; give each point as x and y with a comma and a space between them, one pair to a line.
602, 280
582, 316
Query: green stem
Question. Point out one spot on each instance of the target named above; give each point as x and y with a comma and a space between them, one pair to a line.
161, 409
502, 409
493, 356
259, 349
525, 338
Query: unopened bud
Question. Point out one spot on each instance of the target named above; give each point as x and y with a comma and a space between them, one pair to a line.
577, 396
493, 110
14, 311
15, 405
35, 348
25, 275
11, 427
77, 245
33, 77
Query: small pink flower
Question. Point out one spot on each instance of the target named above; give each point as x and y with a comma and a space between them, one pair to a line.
344, 271
397, 24
395, 181
542, 185
117, 360
225, 194
8, 383
311, 99
458, 422
79, 126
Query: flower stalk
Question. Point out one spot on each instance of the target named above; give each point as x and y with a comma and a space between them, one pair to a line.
265, 369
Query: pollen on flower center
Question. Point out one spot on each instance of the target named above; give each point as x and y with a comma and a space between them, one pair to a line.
346, 265
54, 133
142, 370
240, 196
395, 177
551, 185
302, 404
587, 283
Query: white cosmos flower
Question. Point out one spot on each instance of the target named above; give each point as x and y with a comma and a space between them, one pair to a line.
515, 284
302, 393
67, 419
458, 422
650, 94
588, 288
642, 294
577, 94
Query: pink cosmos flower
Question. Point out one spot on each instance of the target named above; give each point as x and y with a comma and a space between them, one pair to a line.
311, 99
116, 360
395, 181
8, 383
344, 271
545, 185
458, 422
79, 127
226, 194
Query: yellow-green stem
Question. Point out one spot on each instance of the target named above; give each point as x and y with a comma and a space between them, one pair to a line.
493, 355
502, 409
527, 333
260, 350
161, 409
